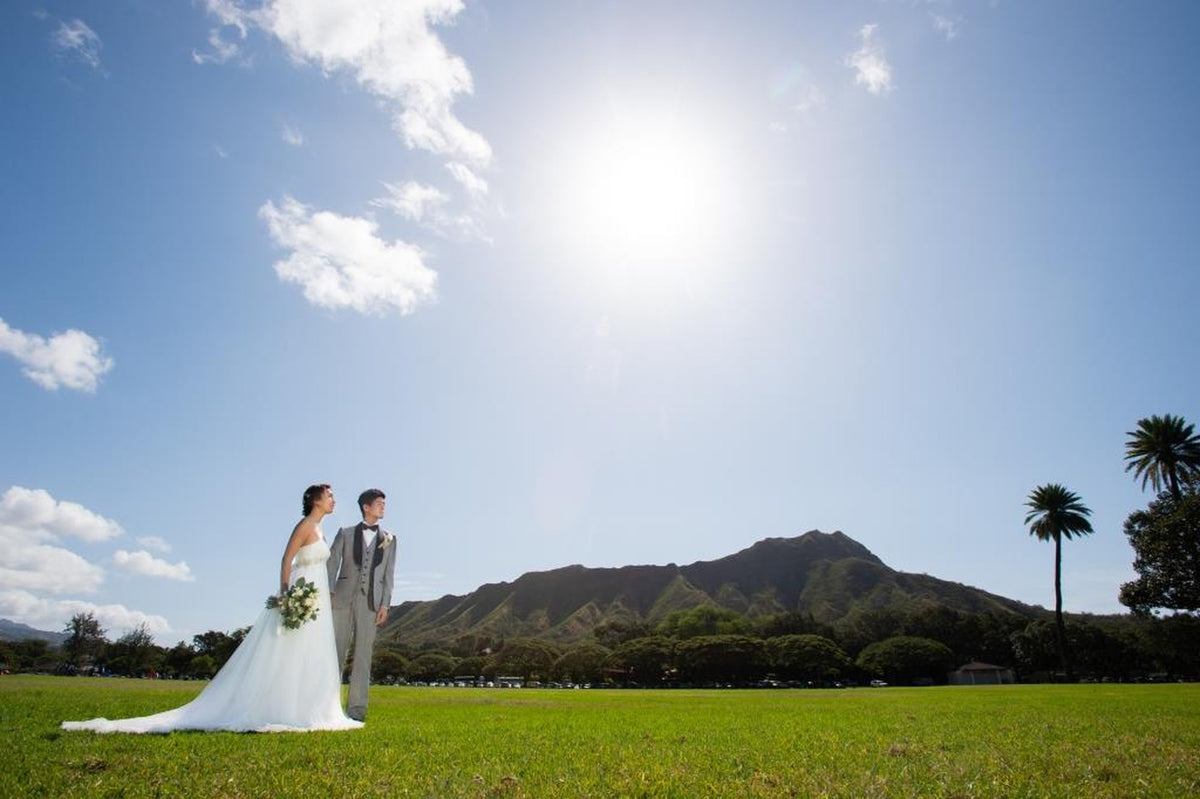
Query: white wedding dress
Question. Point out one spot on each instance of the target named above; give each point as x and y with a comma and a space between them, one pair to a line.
278, 680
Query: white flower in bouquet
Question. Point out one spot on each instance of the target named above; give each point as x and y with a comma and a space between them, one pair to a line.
296, 605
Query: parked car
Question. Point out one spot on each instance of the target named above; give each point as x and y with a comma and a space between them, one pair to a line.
878, 684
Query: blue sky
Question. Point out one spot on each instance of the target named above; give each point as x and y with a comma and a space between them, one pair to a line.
581, 283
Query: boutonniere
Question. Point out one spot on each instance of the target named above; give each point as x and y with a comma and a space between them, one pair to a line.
388, 538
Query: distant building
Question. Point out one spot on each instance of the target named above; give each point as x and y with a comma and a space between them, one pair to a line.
976, 673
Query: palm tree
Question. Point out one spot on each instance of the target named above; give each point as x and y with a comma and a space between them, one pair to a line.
1163, 451
1056, 513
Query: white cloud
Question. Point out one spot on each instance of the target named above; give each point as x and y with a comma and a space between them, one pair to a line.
53, 614
392, 52
35, 515
342, 263
155, 543
222, 50
230, 15
427, 206
946, 25
77, 38
72, 359
476, 186
46, 569
30, 521
870, 63
145, 564
412, 200
292, 136
219, 151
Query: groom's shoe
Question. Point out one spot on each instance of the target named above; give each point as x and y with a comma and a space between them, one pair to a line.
357, 713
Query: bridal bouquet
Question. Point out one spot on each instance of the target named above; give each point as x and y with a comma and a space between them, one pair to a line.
296, 605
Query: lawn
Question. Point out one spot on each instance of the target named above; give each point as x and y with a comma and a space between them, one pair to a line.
1083, 740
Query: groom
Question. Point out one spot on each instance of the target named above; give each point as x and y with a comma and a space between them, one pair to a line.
361, 561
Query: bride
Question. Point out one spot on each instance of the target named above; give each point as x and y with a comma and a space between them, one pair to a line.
278, 679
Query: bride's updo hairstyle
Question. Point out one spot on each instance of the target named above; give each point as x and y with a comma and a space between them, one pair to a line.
312, 494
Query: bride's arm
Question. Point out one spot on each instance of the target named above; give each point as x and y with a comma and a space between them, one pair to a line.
293, 546
335, 559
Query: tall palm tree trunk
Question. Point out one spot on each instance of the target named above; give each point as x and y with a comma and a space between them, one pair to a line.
1060, 629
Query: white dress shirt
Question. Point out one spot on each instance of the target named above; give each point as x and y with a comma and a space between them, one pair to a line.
368, 549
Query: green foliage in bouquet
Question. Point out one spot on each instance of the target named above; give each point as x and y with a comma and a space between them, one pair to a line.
296, 605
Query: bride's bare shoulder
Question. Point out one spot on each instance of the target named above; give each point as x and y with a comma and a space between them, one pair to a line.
305, 532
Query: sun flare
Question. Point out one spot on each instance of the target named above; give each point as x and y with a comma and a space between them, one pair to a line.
647, 193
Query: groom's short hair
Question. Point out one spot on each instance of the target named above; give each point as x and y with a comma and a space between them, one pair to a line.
369, 496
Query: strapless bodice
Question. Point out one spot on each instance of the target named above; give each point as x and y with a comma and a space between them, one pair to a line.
312, 554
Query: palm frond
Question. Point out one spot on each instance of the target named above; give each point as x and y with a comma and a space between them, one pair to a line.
1056, 512
1163, 451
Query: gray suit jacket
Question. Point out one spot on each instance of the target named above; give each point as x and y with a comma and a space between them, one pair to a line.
345, 565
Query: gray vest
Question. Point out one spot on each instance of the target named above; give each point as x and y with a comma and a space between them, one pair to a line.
364, 574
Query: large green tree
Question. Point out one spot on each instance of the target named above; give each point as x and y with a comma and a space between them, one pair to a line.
1054, 514
134, 653
732, 658
1111, 649
1173, 640
432, 666
907, 658
387, 665
807, 657
1165, 452
584, 663
31, 654
702, 620
473, 666
529, 658
218, 645
178, 658
1166, 543
85, 639
644, 660
202, 666
791, 623
616, 631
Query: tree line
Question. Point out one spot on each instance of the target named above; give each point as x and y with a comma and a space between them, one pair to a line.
1164, 451
87, 650
707, 645
703, 646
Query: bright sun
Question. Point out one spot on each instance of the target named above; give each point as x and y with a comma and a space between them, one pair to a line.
646, 193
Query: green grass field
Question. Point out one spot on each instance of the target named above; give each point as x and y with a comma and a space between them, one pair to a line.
1084, 740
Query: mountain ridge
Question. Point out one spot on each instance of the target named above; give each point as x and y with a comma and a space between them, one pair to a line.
16, 631
827, 575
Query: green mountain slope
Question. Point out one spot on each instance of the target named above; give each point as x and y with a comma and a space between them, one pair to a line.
829, 575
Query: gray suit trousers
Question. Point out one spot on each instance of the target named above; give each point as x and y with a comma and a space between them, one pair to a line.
356, 621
